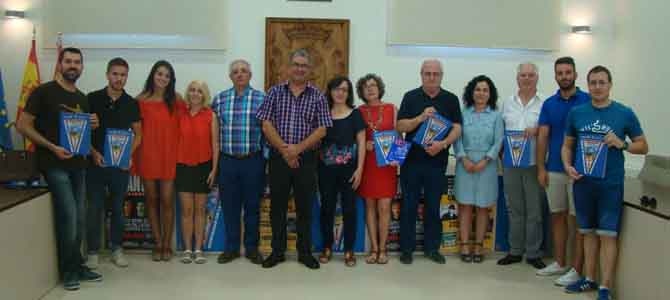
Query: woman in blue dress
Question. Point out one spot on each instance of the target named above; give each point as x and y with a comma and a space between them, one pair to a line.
476, 182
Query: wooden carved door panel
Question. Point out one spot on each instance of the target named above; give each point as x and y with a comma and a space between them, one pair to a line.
327, 42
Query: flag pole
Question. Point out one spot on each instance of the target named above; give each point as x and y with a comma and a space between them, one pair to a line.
59, 49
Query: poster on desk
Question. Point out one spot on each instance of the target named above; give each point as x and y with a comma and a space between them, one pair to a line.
74, 132
393, 240
591, 155
265, 227
215, 231
449, 219
517, 152
117, 148
450, 223
435, 128
215, 234
137, 228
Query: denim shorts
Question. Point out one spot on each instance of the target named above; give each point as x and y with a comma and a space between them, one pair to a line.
598, 206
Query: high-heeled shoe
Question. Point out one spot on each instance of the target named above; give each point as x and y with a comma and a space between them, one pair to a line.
349, 259
156, 253
372, 257
167, 254
383, 257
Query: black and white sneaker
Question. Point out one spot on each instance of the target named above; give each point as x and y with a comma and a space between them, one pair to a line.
86, 275
71, 281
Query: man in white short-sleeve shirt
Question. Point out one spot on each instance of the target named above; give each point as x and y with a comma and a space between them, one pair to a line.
523, 192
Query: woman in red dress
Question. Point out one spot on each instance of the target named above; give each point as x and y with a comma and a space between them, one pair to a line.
156, 157
379, 184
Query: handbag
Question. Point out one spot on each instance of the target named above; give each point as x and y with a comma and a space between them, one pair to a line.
18, 165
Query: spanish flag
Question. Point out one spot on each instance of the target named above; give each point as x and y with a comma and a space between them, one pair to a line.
31, 80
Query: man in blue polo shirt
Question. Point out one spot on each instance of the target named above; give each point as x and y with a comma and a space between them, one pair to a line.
551, 174
599, 201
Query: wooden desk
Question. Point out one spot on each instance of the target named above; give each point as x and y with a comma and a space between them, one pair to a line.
10, 198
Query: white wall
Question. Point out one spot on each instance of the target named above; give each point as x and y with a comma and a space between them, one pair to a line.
642, 69
398, 66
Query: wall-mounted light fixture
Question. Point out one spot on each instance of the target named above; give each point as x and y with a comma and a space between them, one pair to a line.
15, 14
583, 29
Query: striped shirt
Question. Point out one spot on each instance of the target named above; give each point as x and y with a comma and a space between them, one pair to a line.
295, 118
239, 130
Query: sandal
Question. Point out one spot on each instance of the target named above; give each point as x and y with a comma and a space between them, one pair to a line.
466, 257
478, 257
349, 259
372, 257
325, 256
156, 253
199, 257
187, 257
382, 258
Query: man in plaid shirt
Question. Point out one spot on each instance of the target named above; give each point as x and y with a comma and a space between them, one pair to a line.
295, 116
242, 166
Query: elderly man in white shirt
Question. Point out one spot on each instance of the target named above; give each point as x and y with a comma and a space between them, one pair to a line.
521, 112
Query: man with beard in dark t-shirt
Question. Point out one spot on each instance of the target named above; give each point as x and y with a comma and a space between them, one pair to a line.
63, 171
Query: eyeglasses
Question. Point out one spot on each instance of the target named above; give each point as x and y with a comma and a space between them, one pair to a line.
300, 66
370, 85
597, 83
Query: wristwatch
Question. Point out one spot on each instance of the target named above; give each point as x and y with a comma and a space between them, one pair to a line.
625, 146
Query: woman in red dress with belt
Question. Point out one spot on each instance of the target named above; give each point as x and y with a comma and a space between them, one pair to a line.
379, 184
156, 158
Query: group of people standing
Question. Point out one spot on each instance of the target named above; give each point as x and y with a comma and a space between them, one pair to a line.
589, 204
321, 142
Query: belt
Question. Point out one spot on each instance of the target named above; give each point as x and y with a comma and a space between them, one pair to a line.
241, 156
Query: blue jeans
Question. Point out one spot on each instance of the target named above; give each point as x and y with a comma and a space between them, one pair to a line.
415, 177
67, 191
241, 183
101, 183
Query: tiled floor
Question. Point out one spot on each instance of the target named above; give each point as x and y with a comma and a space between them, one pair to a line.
147, 280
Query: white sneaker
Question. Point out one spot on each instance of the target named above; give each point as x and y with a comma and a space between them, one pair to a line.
93, 261
551, 270
568, 278
118, 259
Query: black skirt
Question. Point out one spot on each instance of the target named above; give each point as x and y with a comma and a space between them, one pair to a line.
193, 179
